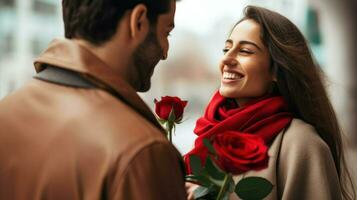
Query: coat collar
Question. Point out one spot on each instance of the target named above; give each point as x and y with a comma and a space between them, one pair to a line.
69, 55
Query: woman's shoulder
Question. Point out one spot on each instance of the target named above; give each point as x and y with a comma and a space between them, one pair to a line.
306, 168
301, 139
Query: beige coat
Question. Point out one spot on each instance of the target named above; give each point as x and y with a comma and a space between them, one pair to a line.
66, 143
301, 166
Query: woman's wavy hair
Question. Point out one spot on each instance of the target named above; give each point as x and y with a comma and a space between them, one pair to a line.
300, 82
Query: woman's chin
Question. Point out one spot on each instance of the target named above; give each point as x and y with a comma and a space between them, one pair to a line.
227, 92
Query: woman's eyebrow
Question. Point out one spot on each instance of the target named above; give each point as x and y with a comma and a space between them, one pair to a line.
244, 42
229, 41
251, 43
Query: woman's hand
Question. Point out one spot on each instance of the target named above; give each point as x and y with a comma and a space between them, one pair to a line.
190, 188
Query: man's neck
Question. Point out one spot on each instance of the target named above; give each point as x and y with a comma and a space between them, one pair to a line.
114, 56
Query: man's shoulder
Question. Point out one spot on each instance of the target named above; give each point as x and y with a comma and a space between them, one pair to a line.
114, 115
110, 118
82, 112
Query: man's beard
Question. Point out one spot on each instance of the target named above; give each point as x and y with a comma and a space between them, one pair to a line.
145, 57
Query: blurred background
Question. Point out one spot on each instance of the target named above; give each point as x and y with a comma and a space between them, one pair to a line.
191, 71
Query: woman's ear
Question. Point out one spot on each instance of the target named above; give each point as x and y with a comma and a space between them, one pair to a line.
139, 23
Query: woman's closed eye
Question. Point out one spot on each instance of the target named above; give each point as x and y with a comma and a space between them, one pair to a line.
225, 50
241, 51
245, 51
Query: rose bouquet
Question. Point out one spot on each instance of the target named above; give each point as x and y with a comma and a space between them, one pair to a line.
230, 154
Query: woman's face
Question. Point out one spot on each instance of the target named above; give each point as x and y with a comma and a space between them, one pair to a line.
245, 73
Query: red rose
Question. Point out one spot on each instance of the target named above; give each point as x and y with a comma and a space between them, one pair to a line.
238, 153
167, 103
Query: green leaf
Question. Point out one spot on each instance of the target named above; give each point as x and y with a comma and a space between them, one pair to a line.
253, 188
213, 170
162, 121
204, 181
210, 173
209, 146
172, 116
201, 192
195, 164
210, 195
181, 120
200, 175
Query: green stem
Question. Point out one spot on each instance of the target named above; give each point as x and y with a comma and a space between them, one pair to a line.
169, 127
223, 188
170, 133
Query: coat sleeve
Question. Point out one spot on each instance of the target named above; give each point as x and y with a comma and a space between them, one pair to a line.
153, 174
306, 168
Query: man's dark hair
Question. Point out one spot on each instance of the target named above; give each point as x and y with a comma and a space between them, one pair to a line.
96, 20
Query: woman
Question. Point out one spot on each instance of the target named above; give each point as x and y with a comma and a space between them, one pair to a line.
271, 88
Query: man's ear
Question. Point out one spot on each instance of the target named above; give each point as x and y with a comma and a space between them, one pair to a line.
139, 23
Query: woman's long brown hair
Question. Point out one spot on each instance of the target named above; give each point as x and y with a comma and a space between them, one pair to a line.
300, 82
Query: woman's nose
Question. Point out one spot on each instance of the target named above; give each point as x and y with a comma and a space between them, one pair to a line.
229, 61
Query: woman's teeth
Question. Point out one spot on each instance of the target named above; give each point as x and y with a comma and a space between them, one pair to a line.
231, 76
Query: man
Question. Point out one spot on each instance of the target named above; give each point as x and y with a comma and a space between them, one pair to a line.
79, 130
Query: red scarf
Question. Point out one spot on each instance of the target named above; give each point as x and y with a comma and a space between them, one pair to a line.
264, 118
